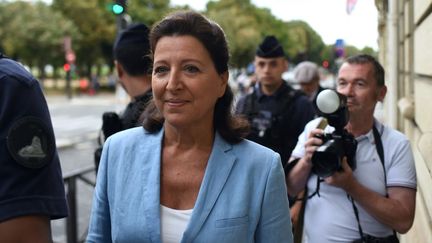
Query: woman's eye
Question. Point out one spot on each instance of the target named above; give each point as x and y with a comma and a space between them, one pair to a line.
160, 69
191, 69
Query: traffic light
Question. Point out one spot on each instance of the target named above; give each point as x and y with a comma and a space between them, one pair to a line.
119, 7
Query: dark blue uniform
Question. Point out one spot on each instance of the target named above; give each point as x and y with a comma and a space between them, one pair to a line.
131, 117
30, 175
276, 120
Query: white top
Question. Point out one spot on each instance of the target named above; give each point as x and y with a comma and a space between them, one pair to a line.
329, 217
173, 223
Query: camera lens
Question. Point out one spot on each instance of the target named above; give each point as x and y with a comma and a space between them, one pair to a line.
327, 158
325, 163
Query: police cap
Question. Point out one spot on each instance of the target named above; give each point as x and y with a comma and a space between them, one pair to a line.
270, 48
133, 35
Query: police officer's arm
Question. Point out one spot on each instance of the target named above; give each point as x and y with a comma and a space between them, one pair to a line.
304, 113
297, 177
396, 210
26, 229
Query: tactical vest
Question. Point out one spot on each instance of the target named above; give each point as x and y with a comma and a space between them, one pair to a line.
271, 128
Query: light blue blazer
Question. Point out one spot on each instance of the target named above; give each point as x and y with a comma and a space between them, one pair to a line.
242, 197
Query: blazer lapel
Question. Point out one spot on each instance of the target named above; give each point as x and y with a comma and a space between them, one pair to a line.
151, 178
217, 172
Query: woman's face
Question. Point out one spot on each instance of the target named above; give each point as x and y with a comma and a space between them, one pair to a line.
185, 82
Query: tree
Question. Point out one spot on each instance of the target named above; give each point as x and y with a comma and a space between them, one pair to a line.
96, 24
304, 42
245, 25
239, 26
33, 33
148, 11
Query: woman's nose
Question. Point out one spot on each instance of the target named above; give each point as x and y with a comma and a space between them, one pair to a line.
174, 80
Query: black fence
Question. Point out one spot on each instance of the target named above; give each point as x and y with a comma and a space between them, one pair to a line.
70, 180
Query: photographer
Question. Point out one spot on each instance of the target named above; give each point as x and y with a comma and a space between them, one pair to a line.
369, 203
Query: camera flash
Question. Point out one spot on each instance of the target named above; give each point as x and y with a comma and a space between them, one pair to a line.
328, 101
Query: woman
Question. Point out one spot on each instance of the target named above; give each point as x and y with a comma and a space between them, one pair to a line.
189, 176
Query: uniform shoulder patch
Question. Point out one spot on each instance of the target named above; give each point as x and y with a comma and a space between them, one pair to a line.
31, 143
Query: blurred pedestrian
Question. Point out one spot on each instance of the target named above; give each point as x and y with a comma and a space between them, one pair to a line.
83, 85
188, 175
94, 84
307, 75
31, 185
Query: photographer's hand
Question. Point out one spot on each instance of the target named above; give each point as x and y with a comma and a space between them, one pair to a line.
395, 211
312, 144
343, 179
297, 177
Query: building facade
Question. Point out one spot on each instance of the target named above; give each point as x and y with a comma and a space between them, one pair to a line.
405, 49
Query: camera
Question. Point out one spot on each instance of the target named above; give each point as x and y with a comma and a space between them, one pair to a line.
327, 159
111, 123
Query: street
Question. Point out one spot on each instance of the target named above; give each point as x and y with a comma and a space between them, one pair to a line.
76, 124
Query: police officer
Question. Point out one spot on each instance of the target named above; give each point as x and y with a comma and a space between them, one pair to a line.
276, 111
31, 184
133, 65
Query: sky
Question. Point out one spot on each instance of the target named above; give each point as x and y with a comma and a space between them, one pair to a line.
328, 18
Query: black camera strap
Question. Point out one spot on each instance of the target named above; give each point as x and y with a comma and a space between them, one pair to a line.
380, 151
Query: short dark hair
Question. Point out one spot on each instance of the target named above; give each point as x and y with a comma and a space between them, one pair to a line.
131, 49
365, 58
232, 128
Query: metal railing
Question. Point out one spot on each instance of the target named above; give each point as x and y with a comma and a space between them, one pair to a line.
70, 180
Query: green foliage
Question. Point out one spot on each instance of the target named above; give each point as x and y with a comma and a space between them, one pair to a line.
245, 26
97, 26
34, 32
148, 11
305, 43
239, 27
370, 51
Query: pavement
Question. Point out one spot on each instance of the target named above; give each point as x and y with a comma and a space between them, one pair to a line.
76, 123
80, 118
